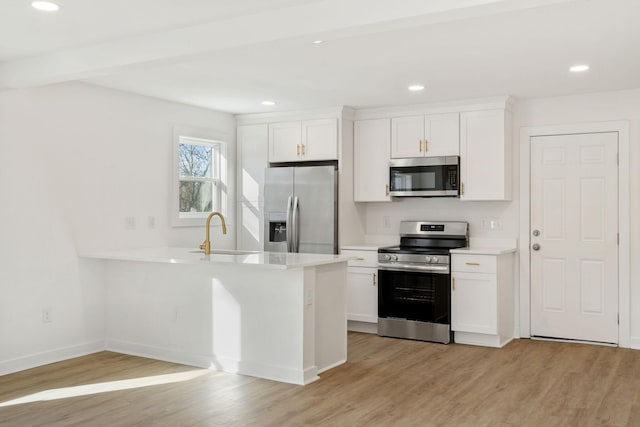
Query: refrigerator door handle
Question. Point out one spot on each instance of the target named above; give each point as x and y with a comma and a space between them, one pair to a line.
289, 226
296, 225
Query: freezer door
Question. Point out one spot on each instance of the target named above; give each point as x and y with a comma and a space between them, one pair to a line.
278, 191
316, 216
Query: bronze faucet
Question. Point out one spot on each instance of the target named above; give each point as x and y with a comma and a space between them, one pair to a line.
206, 245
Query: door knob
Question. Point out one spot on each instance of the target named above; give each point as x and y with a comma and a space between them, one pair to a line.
535, 247
536, 233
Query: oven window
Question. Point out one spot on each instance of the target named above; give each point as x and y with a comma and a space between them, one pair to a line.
414, 296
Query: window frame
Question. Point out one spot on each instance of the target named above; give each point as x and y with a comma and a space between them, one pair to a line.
219, 144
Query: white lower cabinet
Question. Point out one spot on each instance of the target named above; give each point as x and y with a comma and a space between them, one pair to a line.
362, 294
482, 298
362, 288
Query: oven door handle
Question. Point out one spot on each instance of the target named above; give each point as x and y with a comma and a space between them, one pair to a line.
412, 267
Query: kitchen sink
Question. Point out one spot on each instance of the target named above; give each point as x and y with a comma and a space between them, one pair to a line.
226, 252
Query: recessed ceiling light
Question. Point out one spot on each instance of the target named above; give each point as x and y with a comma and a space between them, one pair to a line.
269, 103
47, 6
416, 88
579, 68
318, 41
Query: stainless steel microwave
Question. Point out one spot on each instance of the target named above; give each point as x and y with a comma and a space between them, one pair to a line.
425, 177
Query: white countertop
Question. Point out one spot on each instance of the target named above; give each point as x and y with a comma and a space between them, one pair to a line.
169, 255
483, 250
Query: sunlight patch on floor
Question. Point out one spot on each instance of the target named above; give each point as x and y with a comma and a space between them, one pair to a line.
88, 389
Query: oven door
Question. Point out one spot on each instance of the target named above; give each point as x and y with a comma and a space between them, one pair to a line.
424, 177
414, 295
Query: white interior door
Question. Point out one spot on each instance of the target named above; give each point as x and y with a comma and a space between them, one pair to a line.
574, 237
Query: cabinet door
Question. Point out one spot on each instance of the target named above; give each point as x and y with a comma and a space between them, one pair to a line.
319, 140
485, 162
371, 145
442, 135
362, 294
407, 137
252, 158
252, 150
474, 303
284, 142
250, 231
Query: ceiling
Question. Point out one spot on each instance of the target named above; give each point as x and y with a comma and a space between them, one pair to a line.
231, 55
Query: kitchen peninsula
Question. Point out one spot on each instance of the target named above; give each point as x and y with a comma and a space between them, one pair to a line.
279, 316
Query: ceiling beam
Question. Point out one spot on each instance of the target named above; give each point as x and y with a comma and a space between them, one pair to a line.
329, 19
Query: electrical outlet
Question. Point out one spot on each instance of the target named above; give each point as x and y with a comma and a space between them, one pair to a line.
495, 224
386, 221
46, 315
130, 223
151, 222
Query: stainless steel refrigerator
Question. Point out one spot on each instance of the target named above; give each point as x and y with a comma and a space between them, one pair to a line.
301, 209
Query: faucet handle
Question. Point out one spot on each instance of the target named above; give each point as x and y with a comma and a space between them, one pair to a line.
202, 245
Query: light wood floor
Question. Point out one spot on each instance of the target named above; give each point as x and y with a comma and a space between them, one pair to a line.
386, 382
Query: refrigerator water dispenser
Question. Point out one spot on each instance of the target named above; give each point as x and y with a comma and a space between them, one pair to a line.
277, 231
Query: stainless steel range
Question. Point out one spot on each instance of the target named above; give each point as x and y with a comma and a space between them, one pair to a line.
414, 291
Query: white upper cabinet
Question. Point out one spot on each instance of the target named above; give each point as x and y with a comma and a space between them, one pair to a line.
371, 147
284, 141
319, 139
303, 140
407, 136
485, 155
430, 135
442, 135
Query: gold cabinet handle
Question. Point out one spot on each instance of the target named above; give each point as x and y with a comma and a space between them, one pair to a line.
472, 263
298, 149
303, 149
374, 279
420, 142
387, 189
426, 145
453, 283
462, 188
359, 259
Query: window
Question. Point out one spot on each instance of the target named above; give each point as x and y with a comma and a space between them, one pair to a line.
200, 184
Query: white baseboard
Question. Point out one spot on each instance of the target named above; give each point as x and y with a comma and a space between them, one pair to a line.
52, 356
276, 373
161, 353
333, 365
366, 327
479, 339
634, 343
269, 372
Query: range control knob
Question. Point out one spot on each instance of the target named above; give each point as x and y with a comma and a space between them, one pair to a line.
394, 257
387, 257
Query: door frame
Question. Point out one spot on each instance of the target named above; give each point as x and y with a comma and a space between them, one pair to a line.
526, 133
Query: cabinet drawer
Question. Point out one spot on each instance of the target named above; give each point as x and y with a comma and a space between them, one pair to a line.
364, 258
474, 263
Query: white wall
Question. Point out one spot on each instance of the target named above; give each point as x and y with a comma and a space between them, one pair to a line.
75, 161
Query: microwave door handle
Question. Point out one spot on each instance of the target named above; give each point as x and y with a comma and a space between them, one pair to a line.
296, 225
288, 226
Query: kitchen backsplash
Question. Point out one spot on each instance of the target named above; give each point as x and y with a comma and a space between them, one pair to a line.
486, 219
